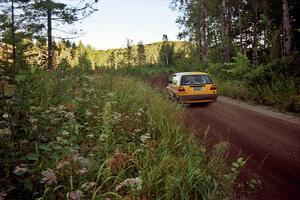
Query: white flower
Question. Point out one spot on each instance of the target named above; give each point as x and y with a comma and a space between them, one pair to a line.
103, 137
33, 120
69, 115
87, 186
133, 183
137, 130
90, 136
2, 195
82, 171
5, 115
111, 94
61, 107
76, 195
62, 163
65, 133
141, 110
49, 177
138, 114
145, 137
20, 169
88, 112
116, 117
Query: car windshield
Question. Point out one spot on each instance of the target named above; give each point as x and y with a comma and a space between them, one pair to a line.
195, 80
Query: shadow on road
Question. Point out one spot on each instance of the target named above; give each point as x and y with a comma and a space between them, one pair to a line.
198, 105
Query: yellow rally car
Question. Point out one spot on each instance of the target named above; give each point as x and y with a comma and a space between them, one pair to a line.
192, 87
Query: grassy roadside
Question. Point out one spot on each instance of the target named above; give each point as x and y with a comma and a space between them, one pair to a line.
82, 136
261, 87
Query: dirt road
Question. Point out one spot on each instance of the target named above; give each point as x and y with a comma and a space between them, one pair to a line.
270, 140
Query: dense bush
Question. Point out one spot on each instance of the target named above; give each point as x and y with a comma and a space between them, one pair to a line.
275, 84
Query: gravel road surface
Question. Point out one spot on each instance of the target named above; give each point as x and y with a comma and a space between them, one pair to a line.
269, 139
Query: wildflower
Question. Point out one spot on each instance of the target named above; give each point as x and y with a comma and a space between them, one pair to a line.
103, 137
5, 115
19, 170
141, 110
87, 186
90, 135
61, 107
65, 133
49, 177
111, 94
62, 163
88, 112
82, 171
2, 195
116, 117
76, 156
132, 183
59, 139
138, 114
69, 115
145, 137
76, 195
33, 120
137, 130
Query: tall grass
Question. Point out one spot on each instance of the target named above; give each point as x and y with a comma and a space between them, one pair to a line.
86, 136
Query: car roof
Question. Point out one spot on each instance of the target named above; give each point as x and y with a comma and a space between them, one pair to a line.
189, 73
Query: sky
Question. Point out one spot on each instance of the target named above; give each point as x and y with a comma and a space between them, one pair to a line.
138, 20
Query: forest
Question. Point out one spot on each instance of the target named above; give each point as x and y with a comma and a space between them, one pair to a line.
69, 130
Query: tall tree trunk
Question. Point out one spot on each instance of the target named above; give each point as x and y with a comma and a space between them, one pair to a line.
224, 34
166, 54
13, 32
246, 43
49, 35
255, 39
287, 40
240, 24
204, 29
200, 34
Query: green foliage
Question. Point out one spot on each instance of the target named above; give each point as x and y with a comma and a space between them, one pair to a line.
236, 70
141, 54
166, 53
275, 84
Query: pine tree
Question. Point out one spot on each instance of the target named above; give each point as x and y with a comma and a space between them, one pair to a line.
141, 55
49, 11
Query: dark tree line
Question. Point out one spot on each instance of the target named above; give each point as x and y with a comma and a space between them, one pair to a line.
263, 30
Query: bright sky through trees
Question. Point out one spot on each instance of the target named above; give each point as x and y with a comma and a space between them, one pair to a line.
116, 20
